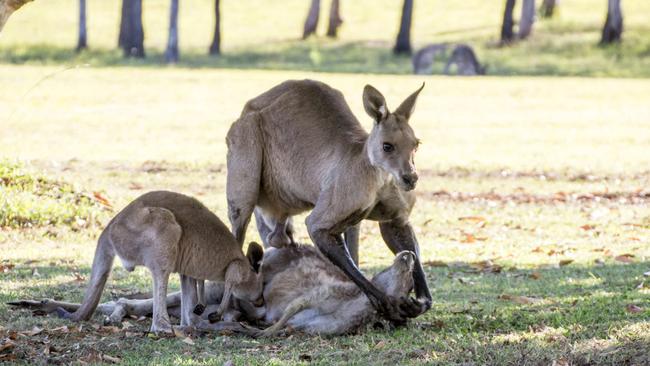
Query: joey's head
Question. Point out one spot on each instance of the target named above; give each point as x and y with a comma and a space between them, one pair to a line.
392, 143
249, 281
397, 280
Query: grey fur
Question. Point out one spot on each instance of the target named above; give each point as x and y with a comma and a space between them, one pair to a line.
168, 233
298, 147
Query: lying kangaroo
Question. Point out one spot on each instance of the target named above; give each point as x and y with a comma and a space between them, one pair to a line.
298, 147
309, 294
168, 233
302, 289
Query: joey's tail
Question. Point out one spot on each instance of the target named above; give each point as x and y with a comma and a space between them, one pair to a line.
294, 307
104, 255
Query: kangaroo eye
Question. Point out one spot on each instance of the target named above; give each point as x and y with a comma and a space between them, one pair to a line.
388, 147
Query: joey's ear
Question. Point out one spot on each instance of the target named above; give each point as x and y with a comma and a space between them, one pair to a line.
374, 103
255, 254
408, 105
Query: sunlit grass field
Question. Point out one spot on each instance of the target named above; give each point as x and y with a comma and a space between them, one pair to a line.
265, 35
533, 211
522, 173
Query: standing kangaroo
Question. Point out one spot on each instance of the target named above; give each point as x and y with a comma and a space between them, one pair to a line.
299, 147
168, 233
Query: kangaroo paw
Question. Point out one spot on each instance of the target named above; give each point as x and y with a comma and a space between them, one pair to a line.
214, 317
199, 309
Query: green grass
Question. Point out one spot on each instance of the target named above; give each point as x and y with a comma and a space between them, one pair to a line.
259, 36
30, 200
504, 149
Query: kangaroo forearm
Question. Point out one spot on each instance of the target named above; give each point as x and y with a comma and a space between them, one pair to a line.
401, 237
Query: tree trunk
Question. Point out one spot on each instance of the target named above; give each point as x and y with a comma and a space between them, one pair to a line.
215, 47
613, 24
131, 38
335, 19
403, 42
527, 18
312, 19
7, 7
547, 9
507, 35
171, 54
82, 40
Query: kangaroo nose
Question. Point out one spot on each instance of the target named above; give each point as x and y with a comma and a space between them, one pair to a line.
410, 180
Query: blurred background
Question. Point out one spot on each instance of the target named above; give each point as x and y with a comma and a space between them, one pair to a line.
524, 37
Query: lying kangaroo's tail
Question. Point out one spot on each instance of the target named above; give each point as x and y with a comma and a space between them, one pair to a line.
104, 255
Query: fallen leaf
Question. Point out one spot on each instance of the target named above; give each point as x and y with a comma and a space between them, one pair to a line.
535, 275
101, 199
625, 258
379, 345
599, 262
524, 300
6, 267
631, 308
487, 266
565, 262
8, 345
188, 340
63, 329
78, 277
587, 227
110, 328
538, 250
468, 238
560, 362
33, 332
7, 357
633, 239
472, 218
435, 263
111, 359
135, 186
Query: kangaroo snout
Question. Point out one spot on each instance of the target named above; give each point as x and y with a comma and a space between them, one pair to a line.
409, 180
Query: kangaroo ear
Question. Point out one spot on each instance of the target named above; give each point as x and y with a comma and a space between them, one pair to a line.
255, 254
408, 105
374, 103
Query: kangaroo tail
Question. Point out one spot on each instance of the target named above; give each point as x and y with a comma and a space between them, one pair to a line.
104, 255
296, 306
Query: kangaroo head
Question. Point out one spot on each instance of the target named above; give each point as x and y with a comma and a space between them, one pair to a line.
397, 280
248, 278
392, 143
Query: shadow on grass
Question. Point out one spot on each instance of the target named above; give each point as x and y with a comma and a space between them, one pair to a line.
563, 57
579, 313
